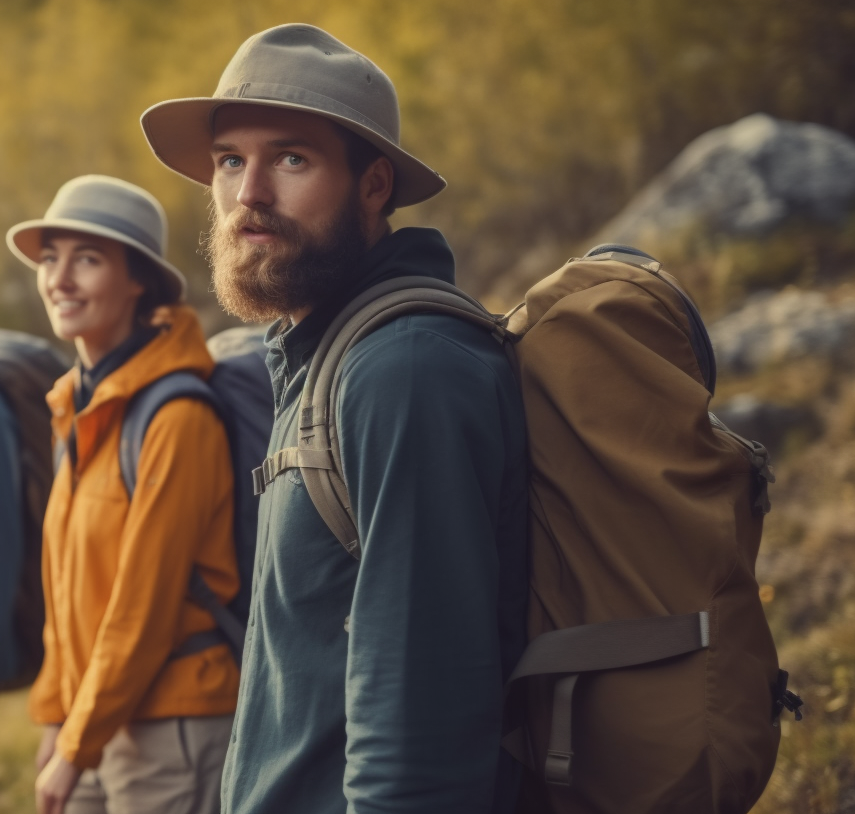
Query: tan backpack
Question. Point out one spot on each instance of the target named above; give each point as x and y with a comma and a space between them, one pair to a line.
651, 681
644, 507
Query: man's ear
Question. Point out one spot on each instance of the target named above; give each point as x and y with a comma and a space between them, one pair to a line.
376, 186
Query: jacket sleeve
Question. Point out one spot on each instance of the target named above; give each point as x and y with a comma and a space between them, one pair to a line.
423, 445
183, 493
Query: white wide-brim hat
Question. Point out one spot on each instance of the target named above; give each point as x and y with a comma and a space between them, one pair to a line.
107, 207
296, 67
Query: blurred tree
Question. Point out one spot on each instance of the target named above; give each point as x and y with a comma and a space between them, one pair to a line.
544, 119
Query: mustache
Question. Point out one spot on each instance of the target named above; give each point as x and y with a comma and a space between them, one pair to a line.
259, 220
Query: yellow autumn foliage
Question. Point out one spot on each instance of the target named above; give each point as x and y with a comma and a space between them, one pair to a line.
545, 118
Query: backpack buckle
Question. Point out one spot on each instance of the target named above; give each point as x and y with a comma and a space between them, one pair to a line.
259, 485
785, 699
558, 765
263, 476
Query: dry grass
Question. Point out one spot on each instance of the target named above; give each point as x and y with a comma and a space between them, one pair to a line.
720, 271
19, 739
807, 570
815, 773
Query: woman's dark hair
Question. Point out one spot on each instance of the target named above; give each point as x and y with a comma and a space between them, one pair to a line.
152, 278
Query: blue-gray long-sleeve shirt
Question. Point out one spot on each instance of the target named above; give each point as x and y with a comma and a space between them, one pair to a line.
403, 712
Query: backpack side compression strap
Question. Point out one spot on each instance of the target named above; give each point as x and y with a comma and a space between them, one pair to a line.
585, 648
139, 414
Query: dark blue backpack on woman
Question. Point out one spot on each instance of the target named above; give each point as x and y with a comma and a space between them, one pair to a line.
240, 392
29, 366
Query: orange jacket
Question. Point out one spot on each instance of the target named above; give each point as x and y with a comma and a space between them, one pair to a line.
116, 572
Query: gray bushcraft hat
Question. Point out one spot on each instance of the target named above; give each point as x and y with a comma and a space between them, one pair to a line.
297, 67
108, 207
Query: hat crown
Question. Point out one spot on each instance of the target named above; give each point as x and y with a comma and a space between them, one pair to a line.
304, 65
114, 204
293, 67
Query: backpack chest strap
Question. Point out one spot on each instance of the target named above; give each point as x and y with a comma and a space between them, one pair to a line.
329, 494
289, 458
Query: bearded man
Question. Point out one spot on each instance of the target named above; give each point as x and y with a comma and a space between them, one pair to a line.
370, 685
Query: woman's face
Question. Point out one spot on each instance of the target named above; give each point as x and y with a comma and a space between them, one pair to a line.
89, 295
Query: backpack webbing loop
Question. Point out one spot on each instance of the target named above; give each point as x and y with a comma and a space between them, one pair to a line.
559, 756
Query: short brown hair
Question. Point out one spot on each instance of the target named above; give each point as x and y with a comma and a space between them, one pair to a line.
360, 155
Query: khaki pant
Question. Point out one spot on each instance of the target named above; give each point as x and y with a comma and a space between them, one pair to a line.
169, 766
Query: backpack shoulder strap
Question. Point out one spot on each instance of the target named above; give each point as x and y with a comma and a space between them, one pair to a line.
144, 406
139, 414
318, 455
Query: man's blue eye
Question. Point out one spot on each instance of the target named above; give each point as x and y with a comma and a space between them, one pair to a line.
294, 160
232, 162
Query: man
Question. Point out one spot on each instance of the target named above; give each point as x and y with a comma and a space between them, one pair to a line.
372, 685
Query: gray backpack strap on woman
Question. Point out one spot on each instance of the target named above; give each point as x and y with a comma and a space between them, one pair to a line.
240, 392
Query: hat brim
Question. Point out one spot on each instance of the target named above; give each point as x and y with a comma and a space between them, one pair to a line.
25, 242
180, 134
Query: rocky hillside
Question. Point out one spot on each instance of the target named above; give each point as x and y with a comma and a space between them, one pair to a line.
787, 380
745, 180
747, 208
757, 220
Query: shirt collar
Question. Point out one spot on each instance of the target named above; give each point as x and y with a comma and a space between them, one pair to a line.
408, 252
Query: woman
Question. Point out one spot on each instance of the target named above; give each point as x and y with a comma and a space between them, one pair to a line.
130, 724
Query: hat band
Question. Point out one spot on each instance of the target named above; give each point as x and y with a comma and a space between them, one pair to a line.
289, 94
110, 221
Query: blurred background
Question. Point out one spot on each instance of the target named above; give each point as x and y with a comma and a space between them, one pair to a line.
717, 136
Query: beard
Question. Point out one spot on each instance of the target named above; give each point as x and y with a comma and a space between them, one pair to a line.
261, 282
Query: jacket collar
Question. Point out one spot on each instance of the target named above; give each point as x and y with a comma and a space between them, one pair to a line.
179, 344
411, 251
89, 378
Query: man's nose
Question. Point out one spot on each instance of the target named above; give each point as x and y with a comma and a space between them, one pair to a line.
256, 189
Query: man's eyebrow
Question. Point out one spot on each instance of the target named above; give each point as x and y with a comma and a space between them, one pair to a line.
219, 147
280, 143
286, 143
